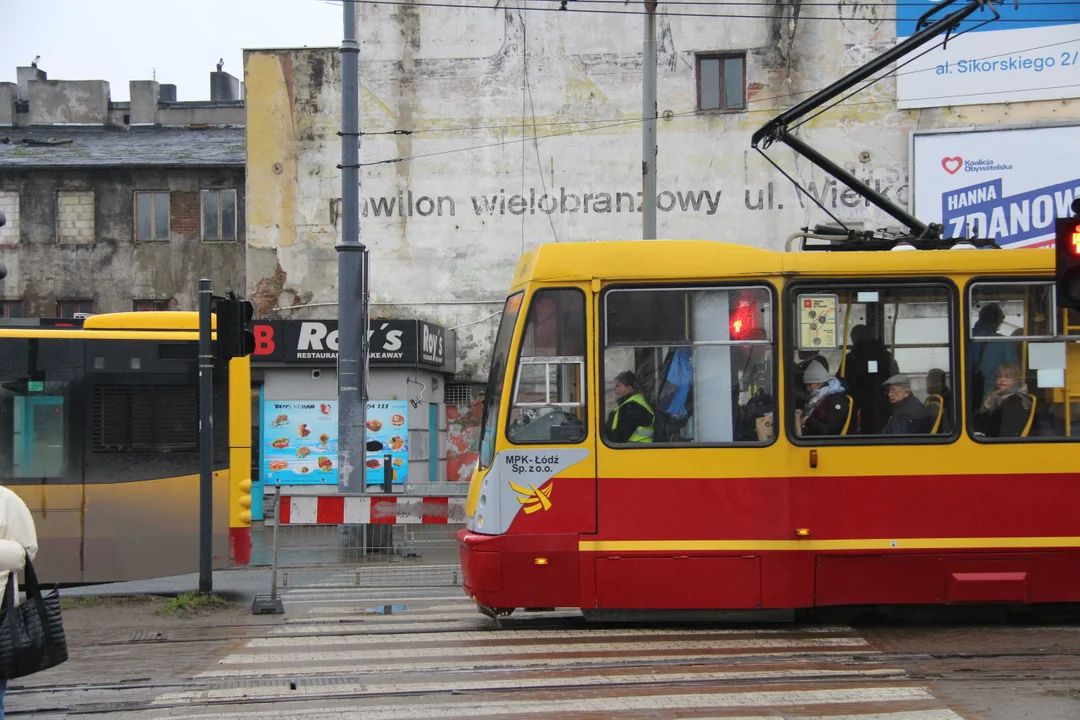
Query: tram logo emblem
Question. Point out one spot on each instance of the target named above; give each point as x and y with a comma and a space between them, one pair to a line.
532, 498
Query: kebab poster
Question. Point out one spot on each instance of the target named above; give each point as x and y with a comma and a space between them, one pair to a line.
386, 423
299, 442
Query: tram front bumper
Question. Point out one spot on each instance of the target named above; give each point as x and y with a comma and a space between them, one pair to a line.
520, 571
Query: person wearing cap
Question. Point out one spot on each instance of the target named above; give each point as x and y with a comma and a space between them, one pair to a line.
632, 420
906, 414
827, 406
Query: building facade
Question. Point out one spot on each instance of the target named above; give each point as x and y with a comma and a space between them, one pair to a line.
118, 206
487, 129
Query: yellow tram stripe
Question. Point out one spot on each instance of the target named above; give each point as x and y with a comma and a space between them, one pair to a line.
852, 544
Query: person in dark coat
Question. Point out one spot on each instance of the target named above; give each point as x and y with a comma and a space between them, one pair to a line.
866, 366
827, 406
1005, 411
936, 384
907, 416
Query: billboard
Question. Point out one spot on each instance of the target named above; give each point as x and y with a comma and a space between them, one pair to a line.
1009, 184
300, 441
1031, 53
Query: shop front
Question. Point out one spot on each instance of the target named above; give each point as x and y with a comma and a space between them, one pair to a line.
294, 367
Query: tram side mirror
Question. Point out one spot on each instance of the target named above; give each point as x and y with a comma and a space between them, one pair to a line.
374, 446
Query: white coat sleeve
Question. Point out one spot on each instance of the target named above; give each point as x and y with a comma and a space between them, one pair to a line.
16, 523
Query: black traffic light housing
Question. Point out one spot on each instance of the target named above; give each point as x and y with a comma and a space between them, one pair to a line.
1067, 249
234, 337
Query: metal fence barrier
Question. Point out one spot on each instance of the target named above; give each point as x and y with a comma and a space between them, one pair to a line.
327, 540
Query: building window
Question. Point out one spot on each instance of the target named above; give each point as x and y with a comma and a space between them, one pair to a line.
75, 217
219, 214
9, 205
69, 308
152, 216
721, 82
10, 309
151, 305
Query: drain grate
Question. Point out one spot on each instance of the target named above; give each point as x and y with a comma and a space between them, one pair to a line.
148, 636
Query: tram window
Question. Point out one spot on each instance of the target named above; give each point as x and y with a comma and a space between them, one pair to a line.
697, 362
493, 395
1022, 376
872, 360
549, 385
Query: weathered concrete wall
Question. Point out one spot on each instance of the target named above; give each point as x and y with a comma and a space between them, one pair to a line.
113, 270
69, 102
450, 203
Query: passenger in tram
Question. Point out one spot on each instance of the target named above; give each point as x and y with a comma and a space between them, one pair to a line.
1005, 411
936, 385
989, 356
806, 357
867, 365
632, 420
907, 416
827, 409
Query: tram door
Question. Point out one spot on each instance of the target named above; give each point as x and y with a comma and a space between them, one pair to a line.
38, 436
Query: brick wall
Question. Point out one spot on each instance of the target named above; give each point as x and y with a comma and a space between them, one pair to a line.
9, 204
75, 216
184, 213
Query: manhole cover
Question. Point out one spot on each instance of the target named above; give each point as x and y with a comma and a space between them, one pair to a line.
149, 636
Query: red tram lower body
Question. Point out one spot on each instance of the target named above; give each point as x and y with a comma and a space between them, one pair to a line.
537, 571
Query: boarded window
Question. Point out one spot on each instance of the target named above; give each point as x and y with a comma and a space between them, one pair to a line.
145, 418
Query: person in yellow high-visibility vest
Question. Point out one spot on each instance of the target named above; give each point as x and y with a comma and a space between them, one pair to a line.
632, 420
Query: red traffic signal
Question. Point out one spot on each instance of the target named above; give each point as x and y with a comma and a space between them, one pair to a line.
1067, 250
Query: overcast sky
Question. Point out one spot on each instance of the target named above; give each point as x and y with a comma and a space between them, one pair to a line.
122, 40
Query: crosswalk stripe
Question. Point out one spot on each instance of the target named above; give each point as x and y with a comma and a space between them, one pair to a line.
377, 665
607, 636
514, 649
622, 704
479, 684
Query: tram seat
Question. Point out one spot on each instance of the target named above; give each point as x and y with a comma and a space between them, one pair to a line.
1031, 415
931, 401
850, 406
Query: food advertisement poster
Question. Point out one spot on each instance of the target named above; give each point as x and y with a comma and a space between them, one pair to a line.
299, 442
386, 423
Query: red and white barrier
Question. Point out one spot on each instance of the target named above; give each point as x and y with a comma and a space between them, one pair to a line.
370, 510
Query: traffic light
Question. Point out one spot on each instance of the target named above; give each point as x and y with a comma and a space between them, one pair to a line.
234, 337
1067, 248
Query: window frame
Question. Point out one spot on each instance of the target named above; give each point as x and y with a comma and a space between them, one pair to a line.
790, 341
494, 393
61, 303
163, 305
153, 215
520, 362
969, 428
202, 215
5, 309
772, 342
722, 57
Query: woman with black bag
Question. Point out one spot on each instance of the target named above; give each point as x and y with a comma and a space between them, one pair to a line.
18, 542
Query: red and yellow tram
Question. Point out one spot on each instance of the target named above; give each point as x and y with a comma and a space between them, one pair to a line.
729, 504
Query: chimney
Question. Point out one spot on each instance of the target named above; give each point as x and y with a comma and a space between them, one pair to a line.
167, 93
24, 75
144, 102
9, 93
223, 86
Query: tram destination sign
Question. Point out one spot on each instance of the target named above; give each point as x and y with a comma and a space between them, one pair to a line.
390, 342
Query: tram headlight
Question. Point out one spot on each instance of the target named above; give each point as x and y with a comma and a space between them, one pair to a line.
479, 522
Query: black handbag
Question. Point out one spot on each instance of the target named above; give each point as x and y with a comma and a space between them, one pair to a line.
31, 633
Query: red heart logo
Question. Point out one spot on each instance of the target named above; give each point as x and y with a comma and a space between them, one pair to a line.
952, 165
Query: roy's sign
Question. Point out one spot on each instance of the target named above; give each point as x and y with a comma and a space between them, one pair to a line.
390, 342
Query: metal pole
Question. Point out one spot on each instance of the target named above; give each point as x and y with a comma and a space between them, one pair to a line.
206, 441
352, 333
273, 566
648, 115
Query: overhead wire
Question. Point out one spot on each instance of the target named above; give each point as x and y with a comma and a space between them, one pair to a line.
732, 16
689, 113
